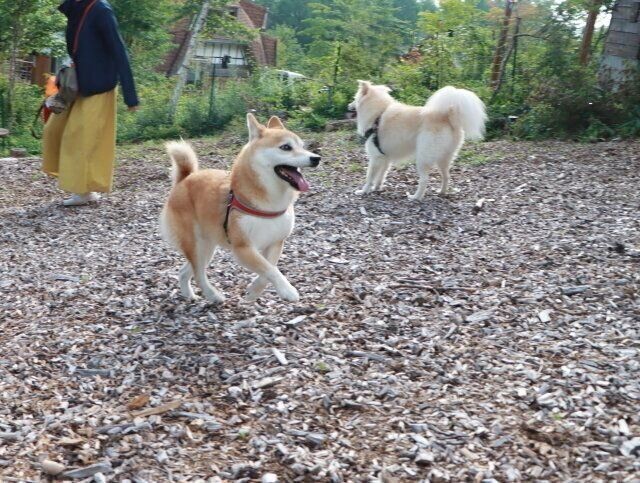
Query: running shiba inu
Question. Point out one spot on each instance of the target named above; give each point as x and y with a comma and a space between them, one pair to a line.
248, 210
433, 133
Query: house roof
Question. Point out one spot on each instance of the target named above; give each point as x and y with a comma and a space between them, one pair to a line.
263, 48
257, 14
270, 45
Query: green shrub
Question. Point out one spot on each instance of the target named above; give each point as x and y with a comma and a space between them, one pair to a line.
575, 106
25, 104
631, 128
152, 121
307, 119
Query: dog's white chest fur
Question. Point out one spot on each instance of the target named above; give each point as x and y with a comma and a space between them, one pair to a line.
264, 232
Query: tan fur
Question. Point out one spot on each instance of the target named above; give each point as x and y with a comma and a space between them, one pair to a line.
193, 216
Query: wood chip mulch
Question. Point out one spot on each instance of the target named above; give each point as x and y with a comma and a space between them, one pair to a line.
492, 335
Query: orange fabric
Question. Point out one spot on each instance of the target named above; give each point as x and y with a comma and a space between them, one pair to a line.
50, 87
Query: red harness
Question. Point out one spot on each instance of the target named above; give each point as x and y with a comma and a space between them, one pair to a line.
238, 205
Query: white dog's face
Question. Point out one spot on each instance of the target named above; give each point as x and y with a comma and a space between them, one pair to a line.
363, 86
365, 90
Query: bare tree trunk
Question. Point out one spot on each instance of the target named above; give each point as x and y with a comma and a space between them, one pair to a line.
587, 34
497, 65
500, 79
182, 70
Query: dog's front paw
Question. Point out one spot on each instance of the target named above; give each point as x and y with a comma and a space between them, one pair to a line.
214, 296
188, 294
414, 197
252, 295
255, 289
289, 293
363, 191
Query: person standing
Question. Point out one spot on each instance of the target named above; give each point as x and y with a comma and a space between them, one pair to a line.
79, 143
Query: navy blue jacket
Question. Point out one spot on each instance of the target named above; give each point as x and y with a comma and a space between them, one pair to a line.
101, 59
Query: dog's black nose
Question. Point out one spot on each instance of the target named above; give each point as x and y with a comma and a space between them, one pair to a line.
315, 160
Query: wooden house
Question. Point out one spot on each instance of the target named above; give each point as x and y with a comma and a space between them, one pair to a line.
230, 57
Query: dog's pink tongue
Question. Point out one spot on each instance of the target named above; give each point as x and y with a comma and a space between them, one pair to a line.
303, 184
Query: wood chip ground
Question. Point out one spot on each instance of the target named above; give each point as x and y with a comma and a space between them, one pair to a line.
492, 335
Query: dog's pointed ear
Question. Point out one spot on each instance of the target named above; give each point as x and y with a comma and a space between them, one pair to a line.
275, 123
364, 86
255, 128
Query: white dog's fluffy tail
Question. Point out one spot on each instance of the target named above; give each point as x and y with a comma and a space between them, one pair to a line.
184, 160
464, 108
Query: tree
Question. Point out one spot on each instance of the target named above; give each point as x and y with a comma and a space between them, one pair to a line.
287, 12
593, 9
27, 26
407, 10
290, 53
501, 47
457, 43
143, 25
369, 34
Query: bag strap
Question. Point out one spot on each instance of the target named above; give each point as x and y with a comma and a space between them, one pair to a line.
84, 16
35, 121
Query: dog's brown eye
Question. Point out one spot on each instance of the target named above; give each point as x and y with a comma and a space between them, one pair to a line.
286, 147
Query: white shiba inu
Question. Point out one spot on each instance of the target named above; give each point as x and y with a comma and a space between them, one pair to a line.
248, 210
432, 133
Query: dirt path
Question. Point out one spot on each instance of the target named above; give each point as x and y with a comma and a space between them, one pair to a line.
432, 340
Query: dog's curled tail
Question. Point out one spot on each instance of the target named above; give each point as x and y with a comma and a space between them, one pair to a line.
184, 160
464, 108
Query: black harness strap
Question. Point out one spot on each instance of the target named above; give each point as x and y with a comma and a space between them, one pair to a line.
35, 121
373, 131
225, 225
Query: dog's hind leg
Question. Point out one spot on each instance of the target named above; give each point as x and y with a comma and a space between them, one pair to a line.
182, 237
446, 160
425, 161
204, 252
446, 176
257, 286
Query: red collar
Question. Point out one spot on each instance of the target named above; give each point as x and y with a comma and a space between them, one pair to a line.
234, 202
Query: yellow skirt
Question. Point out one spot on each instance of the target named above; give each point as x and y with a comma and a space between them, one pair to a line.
79, 144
